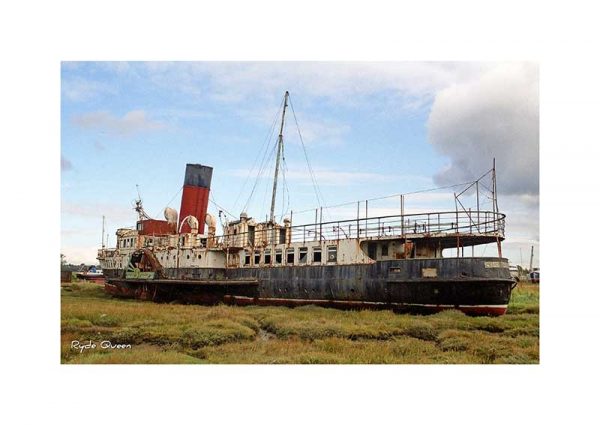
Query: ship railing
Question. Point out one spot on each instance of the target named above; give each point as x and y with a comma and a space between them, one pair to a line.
432, 224
484, 223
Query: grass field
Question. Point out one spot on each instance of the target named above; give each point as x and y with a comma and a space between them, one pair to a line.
172, 333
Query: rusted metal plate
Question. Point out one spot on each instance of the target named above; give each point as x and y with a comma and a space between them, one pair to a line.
429, 272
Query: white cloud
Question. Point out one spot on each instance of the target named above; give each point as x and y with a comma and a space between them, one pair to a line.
80, 89
324, 177
318, 132
337, 81
496, 115
96, 210
80, 254
344, 83
132, 122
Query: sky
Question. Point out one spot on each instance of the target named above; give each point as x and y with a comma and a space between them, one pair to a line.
369, 130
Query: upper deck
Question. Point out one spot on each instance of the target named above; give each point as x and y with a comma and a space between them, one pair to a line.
447, 228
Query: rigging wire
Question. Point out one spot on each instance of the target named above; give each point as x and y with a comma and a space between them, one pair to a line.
318, 193
389, 196
266, 161
211, 199
264, 202
169, 203
265, 147
284, 209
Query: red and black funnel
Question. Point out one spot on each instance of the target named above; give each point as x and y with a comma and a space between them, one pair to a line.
196, 189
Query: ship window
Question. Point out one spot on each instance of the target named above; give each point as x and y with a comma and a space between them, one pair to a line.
256, 258
247, 259
278, 256
372, 250
267, 256
188, 256
281, 235
316, 255
302, 255
384, 250
331, 254
199, 256
250, 235
290, 256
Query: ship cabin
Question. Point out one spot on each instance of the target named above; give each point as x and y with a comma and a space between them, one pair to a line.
362, 241
246, 243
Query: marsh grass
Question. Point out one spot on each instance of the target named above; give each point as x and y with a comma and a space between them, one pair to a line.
172, 333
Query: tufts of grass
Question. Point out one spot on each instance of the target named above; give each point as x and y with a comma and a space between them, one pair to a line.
172, 333
329, 350
423, 330
525, 299
488, 348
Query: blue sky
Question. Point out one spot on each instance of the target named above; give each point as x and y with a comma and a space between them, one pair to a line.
370, 130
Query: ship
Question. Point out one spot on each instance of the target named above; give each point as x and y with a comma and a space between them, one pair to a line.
92, 273
384, 262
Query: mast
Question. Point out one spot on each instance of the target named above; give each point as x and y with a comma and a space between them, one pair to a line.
279, 153
103, 246
531, 260
494, 188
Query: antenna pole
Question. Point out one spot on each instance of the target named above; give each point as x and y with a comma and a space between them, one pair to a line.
495, 190
531, 260
279, 153
103, 246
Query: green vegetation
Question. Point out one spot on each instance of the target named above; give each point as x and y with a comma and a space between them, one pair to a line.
173, 333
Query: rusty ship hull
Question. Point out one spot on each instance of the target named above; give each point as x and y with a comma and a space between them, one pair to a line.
465, 284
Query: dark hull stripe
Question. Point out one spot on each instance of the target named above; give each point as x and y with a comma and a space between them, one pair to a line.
467, 284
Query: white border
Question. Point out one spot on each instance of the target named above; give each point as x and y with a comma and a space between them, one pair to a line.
36, 37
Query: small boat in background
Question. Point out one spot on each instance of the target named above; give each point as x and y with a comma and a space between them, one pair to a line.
93, 273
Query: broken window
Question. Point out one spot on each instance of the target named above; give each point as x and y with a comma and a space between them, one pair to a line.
302, 255
247, 259
267, 256
256, 258
290, 256
372, 250
316, 255
278, 256
250, 235
281, 235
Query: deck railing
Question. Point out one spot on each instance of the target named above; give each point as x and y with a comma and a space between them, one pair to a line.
447, 223
461, 223
407, 225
